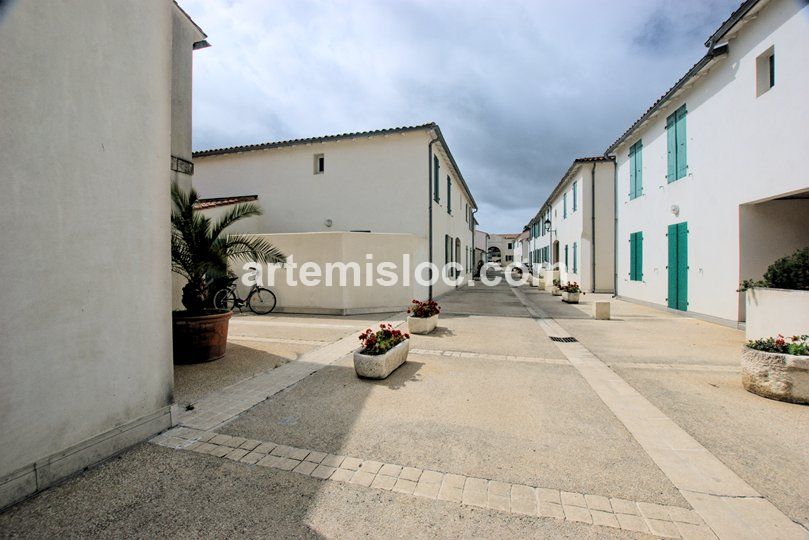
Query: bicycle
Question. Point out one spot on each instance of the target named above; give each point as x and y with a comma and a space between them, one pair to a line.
259, 300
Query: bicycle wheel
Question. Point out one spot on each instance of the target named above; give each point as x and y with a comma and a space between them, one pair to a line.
261, 301
224, 299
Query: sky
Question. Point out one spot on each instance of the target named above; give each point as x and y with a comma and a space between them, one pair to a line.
519, 88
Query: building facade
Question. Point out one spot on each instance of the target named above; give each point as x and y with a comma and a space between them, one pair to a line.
373, 183
501, 248
711, 185
87, 140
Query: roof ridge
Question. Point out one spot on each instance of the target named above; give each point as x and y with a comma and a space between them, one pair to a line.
308, 140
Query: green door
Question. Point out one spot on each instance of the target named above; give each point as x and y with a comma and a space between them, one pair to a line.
678, 266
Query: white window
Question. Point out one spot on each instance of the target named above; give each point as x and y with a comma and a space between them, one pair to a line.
765, 71
320, 164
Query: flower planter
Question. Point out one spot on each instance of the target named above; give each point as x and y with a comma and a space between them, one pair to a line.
556, 291
379, 366
422, 325
199, 338
776, 376
570, 297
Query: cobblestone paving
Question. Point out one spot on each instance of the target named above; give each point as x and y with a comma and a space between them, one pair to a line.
659, 520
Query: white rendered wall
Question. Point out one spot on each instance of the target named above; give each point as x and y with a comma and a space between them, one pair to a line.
741, 149
776, 311
84, 206
378, 184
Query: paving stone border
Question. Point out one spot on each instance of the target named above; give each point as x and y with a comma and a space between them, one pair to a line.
644, 517
483, 356
290, 341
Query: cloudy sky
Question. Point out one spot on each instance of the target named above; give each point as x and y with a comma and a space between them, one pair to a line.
519, 88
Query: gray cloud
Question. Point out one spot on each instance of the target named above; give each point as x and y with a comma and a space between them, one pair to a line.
519, 88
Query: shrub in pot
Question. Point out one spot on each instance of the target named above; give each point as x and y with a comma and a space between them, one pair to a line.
777, 368
571, 292
790, 272
200, 252
556, 290
422, 317
381, 352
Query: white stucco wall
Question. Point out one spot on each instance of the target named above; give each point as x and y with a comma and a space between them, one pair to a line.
776, 311
334, 247
741, 149
84, 150
378, 184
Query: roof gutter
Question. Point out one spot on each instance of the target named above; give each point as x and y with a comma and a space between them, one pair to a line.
709, 58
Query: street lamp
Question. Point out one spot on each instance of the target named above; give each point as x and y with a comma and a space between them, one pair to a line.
547, 225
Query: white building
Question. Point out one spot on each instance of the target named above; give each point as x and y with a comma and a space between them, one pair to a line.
521, 248
581, 232
712, 185
481, 245
373, 184
87, 137
501, 248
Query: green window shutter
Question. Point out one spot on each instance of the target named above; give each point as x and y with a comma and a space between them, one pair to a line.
436, 184
682, 162
564, 205
682, 266
575, 258
638, 169
672, 267
449, 195
672, 149
633, 251
575, 195
632, 168
639, 257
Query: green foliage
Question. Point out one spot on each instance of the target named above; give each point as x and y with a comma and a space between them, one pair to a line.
381, 341
797, 345
790, 272
199, 252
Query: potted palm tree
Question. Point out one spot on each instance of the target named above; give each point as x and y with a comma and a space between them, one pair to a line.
200, 252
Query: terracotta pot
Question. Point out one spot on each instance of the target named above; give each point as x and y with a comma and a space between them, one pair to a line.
379, 366
200, 338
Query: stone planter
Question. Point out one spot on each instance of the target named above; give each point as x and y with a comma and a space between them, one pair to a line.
570, 297
776, 376
556, 291
199, 338
422, 325
379, 366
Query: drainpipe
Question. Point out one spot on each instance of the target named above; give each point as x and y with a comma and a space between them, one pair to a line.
614, 227
430, 210
474, 263
593, 225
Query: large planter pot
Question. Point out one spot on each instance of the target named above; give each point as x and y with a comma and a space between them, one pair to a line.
379, 366
556, 291
422, 325
776, 376
570, 297
200, 338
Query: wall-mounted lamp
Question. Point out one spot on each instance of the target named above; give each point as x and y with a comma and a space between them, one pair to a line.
328, 223
675, 209
547, 225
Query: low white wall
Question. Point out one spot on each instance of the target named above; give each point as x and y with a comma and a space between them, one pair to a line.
346, 247
776, 311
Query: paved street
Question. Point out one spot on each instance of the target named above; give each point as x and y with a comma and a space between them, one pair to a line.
491, 429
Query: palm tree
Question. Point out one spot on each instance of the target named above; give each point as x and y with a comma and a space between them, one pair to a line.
200, 252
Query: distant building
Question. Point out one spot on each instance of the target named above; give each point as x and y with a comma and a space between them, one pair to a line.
573, 229
501, 248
